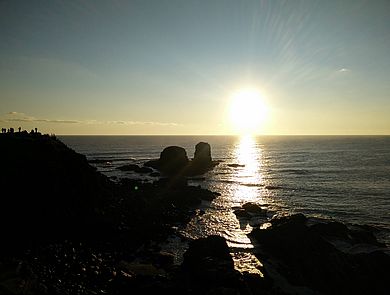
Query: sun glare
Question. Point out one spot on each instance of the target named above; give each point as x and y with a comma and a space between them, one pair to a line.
247, 111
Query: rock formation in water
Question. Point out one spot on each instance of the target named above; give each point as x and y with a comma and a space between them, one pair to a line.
174, 161
203, 153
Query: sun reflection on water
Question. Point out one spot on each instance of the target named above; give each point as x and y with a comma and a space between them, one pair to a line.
249, 177
243, 183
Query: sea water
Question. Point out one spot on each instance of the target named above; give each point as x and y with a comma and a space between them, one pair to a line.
346, 178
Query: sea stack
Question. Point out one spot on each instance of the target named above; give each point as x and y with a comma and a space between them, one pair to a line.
203, 153
173, 159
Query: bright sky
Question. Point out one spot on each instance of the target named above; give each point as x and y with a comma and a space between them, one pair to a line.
173, 67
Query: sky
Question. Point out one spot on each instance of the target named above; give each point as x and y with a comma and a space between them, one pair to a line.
171, 67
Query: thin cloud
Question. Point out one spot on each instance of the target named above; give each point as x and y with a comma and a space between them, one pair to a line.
41, 120
15, 114
143, 123
344, 70
21, 117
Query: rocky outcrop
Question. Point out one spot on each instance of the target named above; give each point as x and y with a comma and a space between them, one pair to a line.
66, 228
305, 255
203, 153
249, 210
173, 160
209, 266
135, 168
47, 188
202, 161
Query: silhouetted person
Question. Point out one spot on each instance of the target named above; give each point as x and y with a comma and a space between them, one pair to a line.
32, 131
3, 130
20, 128
36, 130
11, 130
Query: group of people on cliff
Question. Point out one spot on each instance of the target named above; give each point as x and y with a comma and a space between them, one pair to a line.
12, 130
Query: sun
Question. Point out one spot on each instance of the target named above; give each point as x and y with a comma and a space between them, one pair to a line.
247, 111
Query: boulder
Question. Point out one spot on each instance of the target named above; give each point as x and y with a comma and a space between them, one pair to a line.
128, 167
253, 208
173, 160
305, 257
209, 265
203, 153
144, 169
135, 168
202, 161
242, 213
234, 165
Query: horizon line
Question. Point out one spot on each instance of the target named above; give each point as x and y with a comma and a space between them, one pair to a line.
239, 135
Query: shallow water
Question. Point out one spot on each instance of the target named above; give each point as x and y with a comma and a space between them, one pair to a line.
345, 178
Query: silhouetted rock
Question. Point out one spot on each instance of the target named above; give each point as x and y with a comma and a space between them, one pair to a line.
144, 170
72, 231
242, 213
135, 168
155, 174
173, 160
99, 161
67, 228
173, 182
203, 153
210, 266
272, 187
352, 235
202, 161
236, 165
306, 258
128, 167
47, 188
250, 210
253, 208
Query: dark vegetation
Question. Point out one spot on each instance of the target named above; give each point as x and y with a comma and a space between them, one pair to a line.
68, 229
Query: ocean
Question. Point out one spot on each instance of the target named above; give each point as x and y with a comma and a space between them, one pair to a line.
346, 178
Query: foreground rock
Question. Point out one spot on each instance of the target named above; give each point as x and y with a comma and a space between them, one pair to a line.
210, 267
68, 229
306, 256
47, 189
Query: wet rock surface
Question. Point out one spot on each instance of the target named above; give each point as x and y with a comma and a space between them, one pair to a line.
135, 168
208, 261
304, 255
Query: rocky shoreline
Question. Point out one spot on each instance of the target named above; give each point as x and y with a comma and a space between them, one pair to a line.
68, 229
